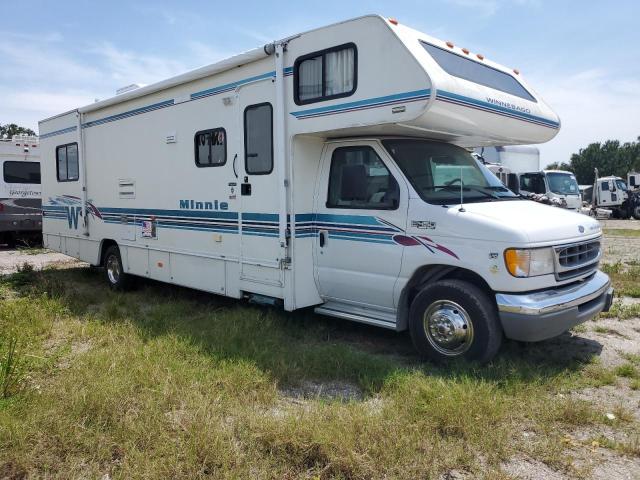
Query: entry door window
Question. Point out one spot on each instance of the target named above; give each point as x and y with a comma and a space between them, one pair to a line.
258, 139
359, 179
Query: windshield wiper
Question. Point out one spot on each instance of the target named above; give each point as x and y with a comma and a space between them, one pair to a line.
456, 188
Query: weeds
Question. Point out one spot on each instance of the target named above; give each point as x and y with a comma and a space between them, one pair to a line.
185, 385
9, 372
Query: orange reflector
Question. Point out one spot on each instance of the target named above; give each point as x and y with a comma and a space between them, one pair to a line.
465, 51
480, 56
160, 264
393, 21
449, 44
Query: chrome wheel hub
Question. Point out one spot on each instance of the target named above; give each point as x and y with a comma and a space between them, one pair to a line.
448, 328
113, 269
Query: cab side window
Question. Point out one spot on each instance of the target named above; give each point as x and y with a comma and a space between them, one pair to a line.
359, 179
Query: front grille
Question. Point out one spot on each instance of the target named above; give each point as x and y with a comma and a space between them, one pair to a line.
577, 259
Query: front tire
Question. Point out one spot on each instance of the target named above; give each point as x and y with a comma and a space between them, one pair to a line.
452, 319
114, 271
636, 212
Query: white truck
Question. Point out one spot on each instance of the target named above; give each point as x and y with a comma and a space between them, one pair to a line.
633, 181
613, 194
515, 158
20, 200
558, 186
330, 170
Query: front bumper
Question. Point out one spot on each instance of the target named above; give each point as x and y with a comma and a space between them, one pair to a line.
20, 223
536, 316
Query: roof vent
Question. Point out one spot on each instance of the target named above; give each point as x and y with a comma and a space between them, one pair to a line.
129, 88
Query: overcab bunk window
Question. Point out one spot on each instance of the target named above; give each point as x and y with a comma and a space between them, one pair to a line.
325, 75
67, 162
21, 172
258, 139
211, 147
475, 72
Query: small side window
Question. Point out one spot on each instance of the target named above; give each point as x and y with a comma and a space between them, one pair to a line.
359, 179
605, 186
327, 74
211, 147
67, 162
258, 139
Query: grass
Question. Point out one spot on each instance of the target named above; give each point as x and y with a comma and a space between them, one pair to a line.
625, 278
167, 382
621, 232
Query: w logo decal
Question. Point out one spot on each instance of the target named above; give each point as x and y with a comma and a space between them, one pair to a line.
72, 216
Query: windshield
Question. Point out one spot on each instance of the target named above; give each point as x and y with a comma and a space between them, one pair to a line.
562, 183
621, 185
438, 171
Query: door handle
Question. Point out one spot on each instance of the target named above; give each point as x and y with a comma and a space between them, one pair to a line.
322, 237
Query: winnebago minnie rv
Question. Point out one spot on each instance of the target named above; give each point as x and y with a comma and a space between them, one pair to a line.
20, 214
328, 170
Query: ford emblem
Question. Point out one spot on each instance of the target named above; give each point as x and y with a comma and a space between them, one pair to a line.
581, 229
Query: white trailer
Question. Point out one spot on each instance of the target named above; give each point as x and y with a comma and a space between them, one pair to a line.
20, 195
326, 170
515, 158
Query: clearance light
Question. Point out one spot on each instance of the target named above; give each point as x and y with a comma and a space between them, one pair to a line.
516, 71
393, 21
529, 262
450, 44
480, 56
465, 51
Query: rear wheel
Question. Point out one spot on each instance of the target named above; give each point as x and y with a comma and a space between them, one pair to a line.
455, 319
636, 212
114, 271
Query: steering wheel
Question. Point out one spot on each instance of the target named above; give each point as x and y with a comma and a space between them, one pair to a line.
451, 182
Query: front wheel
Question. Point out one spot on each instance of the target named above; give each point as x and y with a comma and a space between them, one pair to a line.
117, 278
455, 319
636, 212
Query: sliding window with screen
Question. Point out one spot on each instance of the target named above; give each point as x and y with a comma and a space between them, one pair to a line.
326, 74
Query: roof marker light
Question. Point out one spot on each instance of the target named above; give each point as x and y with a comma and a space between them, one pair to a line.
480, 56
393, 21
450, 44
516, 71
465, 51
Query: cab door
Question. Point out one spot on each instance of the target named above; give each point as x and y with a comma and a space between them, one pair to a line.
361, 208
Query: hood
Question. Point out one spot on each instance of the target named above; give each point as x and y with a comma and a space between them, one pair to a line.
534, 222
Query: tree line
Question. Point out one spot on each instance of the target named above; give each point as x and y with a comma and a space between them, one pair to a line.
10, 129
610, 158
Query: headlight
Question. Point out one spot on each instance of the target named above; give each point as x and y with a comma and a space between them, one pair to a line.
529, 262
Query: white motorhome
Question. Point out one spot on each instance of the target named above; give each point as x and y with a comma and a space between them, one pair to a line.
559, 186
327, 170
20, 214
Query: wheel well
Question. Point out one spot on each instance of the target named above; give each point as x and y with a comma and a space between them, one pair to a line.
106, 243
429, 274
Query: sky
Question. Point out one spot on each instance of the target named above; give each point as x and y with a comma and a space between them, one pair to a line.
582, 57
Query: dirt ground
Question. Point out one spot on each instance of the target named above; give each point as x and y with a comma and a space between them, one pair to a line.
38, 258
611, 340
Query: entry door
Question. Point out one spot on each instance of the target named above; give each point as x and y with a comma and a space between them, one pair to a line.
361, 209
260, 248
